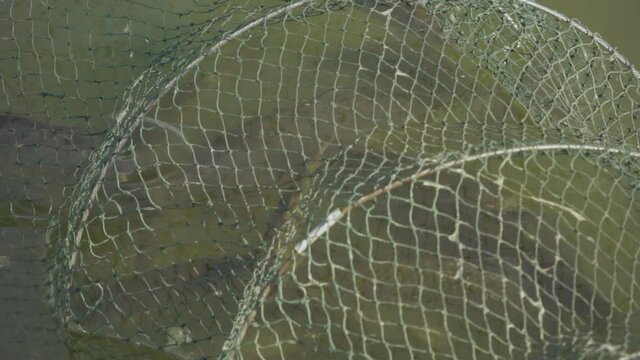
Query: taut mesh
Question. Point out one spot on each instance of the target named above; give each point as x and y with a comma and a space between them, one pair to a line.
315, 179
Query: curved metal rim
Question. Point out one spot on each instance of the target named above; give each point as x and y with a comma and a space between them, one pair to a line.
83, 204
586, 31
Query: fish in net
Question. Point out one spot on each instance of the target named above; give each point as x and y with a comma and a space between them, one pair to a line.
311, 179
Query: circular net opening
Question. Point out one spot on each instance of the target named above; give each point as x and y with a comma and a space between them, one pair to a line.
441, 180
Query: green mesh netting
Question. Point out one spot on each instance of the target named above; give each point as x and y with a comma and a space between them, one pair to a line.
315, 179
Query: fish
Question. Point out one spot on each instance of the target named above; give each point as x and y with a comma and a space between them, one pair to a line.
184, 308
39, 165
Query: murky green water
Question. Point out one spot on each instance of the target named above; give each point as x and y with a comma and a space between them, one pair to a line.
182, 217
616, 21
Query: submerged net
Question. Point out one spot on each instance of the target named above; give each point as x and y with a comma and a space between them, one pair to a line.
441, 179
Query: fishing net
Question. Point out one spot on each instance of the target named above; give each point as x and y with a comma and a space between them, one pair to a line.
315, 179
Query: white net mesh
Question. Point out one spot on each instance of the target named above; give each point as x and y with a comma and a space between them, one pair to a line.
443, 179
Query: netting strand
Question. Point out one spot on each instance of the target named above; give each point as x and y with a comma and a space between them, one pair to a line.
315, 179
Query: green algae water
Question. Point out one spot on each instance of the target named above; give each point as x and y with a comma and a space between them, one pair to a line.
527, 254
615, 21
